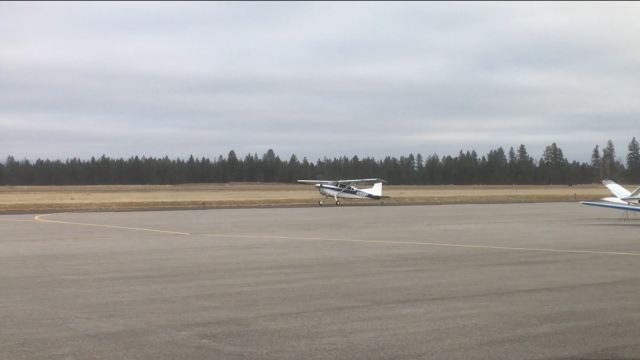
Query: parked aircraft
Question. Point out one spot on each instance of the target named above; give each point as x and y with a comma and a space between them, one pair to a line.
347, 189
623, 200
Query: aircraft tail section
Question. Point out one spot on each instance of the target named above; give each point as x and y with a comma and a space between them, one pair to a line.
617, 190
623, 200
635, 193
376, 189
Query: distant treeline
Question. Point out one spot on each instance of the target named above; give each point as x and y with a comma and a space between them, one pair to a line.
514, 166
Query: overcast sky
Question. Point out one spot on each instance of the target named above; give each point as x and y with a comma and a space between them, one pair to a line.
316, 79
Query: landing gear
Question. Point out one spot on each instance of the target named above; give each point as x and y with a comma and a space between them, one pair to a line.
625, 216
320, 202
337, 202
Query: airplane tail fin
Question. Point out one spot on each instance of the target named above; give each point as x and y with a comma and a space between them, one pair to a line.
376, 189
616, 189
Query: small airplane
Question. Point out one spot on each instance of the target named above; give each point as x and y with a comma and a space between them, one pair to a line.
347, 189
623, 200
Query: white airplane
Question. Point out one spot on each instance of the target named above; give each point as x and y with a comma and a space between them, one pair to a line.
347, 189
623, 200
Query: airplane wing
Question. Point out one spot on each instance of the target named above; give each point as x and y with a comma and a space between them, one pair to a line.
361, 181
611, 205
313, 182
352, 181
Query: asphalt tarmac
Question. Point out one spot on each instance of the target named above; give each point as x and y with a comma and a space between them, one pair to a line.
517, 281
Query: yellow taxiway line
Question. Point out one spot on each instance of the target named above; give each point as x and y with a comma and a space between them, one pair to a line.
41, 219
418, 243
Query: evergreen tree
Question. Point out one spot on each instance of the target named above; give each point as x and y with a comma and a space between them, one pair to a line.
448, 170
512, 155
433, 169
191, 169
553, 165
524, 171
420, 177
497, 167
633, 162
512, 165
596, 164
608, 160
467, 167
233, 172
307, 170
612, 168
410, 168
293, 169
270, 165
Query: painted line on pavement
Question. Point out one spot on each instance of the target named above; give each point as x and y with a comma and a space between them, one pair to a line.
42, 219
417, 243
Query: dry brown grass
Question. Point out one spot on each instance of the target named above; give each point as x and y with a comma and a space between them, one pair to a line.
127, 197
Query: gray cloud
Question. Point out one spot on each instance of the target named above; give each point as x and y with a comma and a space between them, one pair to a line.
315, 79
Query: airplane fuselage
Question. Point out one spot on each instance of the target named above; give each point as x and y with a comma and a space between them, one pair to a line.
348, 192
347, 189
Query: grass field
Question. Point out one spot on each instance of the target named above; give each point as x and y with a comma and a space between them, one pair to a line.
191, 196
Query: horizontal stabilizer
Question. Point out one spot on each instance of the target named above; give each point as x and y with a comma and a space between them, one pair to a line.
635, 193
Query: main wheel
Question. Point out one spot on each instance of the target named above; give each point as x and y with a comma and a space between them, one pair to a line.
338, 202
320, 202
